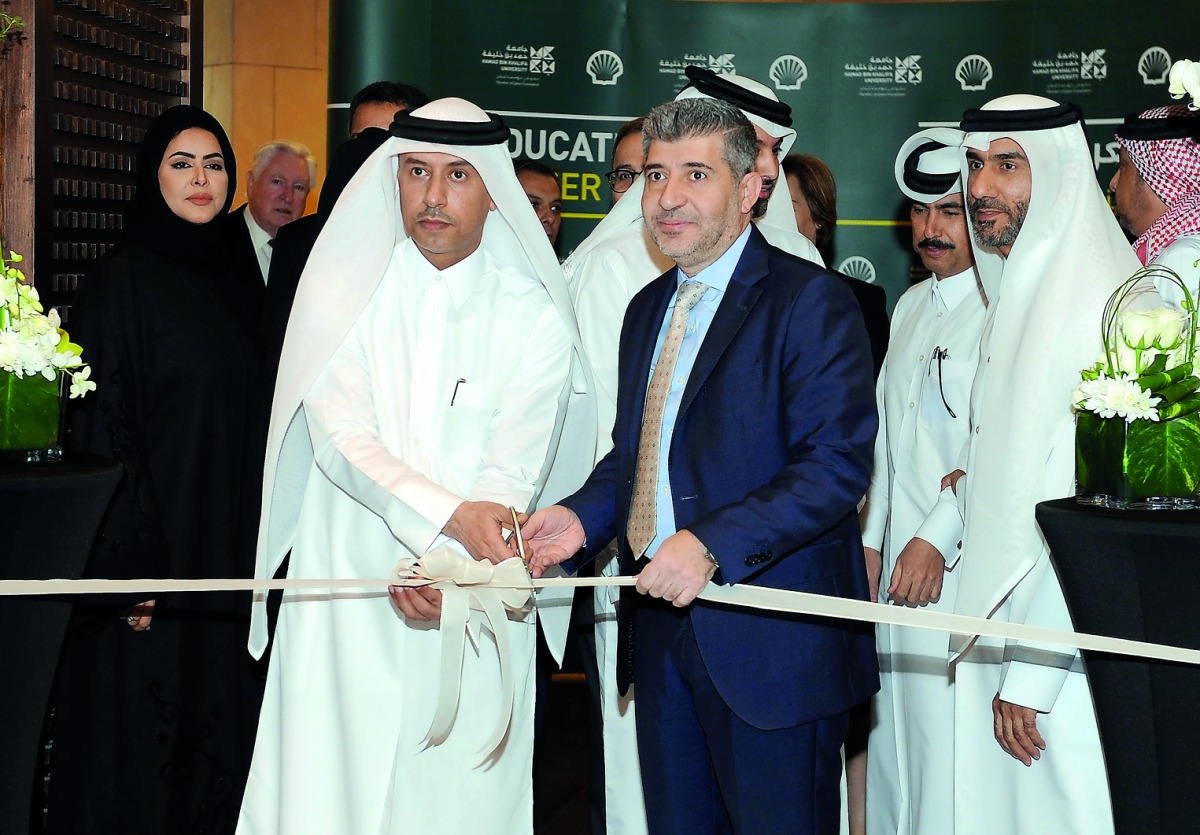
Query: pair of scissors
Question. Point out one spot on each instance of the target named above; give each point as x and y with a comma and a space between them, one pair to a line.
516, 531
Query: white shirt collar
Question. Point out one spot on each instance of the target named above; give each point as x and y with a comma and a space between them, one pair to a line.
953, 289
718, 274
462, 279
258, 236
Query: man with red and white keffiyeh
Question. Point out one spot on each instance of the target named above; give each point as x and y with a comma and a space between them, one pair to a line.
1156, 192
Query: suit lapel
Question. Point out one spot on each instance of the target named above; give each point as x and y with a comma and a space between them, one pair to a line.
735, 306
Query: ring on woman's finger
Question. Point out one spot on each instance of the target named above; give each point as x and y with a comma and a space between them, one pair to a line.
131, 620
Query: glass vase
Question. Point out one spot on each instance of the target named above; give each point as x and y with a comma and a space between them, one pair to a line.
31, 417
1142, 464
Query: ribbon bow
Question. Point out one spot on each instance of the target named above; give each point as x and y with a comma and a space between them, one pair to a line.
470, 585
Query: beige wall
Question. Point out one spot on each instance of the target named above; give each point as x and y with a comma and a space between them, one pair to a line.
266, 67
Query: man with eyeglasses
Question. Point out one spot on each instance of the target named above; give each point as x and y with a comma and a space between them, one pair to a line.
912, 536
627, 159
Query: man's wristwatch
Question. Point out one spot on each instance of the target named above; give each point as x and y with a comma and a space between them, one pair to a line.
708, 555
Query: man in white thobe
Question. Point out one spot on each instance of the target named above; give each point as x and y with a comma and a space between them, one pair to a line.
1050, 253
1156, 193
419, 396
605, 272
923, 395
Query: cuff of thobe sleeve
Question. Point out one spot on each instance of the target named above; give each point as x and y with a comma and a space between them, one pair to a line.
875, 524
943, 528
1035, 685
419, 521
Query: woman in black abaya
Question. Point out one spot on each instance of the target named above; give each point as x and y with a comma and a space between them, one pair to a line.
156, 701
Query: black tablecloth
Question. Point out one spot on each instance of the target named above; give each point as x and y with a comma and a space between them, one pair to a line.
1136, 574
51, 513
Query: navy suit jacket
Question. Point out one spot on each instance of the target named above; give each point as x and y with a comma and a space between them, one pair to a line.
770, 455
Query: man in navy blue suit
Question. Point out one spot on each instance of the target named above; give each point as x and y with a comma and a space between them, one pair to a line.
743, 442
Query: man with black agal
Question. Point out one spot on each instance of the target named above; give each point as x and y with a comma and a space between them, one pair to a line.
1156, 193
420, 395
1050, 253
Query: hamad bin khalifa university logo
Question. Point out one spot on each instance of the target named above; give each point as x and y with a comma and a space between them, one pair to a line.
541, 60
908, 70
1092, 64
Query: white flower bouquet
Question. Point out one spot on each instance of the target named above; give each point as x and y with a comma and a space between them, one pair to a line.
37, 358
1137, 429
33, 341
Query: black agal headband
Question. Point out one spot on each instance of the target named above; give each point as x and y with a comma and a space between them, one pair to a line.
925, 182
491, 132
711, 84
1043, 118
1150, 130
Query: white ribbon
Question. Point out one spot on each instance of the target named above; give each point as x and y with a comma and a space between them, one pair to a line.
468, 585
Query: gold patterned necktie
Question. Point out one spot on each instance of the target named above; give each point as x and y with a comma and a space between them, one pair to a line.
643, 512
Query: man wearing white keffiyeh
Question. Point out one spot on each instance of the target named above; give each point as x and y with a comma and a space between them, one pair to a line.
1049, 253
421, 392
1156, 192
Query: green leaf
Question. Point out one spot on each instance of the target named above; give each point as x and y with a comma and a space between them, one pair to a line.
1163, 459
1099, 453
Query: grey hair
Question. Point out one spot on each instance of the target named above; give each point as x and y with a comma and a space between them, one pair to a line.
268, 152
690, 118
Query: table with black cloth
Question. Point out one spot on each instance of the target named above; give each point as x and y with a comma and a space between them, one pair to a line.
1136, 574
51, 513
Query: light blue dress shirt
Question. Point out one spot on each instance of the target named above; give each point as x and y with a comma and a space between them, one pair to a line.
716, 276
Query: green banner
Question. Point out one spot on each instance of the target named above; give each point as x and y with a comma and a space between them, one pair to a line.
860, 77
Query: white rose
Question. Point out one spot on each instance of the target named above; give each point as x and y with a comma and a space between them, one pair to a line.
1157, 328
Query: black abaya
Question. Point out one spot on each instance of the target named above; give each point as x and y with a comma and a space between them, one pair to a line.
153, 731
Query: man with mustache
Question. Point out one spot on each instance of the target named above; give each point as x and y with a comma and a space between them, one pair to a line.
910, 530
420, 395
1156, 193
1027, 750
743, 436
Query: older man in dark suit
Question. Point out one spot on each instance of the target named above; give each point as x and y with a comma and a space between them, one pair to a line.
743, 442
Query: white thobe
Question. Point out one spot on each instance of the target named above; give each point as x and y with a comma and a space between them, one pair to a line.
602, 287
1066, 790
923, 395
446, 389
1181, 255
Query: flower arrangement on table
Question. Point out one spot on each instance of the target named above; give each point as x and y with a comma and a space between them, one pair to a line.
37, 358
1137, 431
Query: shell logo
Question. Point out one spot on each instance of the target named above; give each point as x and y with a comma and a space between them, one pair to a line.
788, 72
604, 67
1154, 65
856, 266
973, 72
